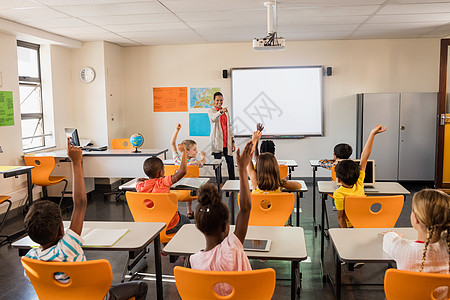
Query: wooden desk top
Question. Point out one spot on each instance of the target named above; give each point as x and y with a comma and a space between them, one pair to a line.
380, 188
140, 235
364, 244
288, 243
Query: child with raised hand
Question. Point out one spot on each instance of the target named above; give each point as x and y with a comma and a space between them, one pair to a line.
224, 251
340, 151
266, 178
351, 175
158, 183
44, 225
191, 153
430, 217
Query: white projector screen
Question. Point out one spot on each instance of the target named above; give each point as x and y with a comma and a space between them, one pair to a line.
287, 100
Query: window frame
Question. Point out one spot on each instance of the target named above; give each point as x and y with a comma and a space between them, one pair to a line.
36, 82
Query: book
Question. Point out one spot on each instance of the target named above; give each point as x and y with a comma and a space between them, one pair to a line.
189, 182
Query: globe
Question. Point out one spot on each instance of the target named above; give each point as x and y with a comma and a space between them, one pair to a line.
137, 140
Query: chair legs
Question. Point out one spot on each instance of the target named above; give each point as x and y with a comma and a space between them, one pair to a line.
8, 238
63, 192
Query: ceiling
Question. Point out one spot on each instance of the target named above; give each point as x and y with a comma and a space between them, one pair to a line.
160, 22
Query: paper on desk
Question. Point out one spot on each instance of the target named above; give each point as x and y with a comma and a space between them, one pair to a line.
190, 182
7, 168
100, 237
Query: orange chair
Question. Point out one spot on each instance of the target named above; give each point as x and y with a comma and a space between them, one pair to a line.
165, 205
88, 279
399, 285
192, 172
333, 173
359, 211
284, 171
121, 144
270, 209
40, 174
249, 285
4, 199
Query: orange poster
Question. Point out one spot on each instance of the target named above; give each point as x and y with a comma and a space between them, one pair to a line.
168, 99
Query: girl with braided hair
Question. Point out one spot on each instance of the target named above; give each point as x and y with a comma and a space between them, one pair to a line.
430, 216
224, 251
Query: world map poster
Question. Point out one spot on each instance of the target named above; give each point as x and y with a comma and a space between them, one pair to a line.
202, 97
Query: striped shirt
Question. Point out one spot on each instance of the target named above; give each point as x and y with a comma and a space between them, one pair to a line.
68, 249
193, 161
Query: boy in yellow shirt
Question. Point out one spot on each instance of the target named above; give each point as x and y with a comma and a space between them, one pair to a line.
351, 175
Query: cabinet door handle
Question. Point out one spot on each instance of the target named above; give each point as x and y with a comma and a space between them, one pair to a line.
402, 127
444, 118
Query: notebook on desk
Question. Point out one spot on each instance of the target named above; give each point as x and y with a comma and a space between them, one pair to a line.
92, 148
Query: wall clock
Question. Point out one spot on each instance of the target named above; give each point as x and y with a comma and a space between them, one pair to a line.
87, 74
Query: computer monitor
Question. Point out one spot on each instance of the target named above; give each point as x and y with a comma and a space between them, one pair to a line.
369, 179
73, 134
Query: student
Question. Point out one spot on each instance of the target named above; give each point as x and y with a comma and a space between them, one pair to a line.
44, 225
191, 152
430, 217
266, 177
223, 251
158, 183
351, 175
340, 151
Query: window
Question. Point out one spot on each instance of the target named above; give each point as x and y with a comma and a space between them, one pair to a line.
32, 114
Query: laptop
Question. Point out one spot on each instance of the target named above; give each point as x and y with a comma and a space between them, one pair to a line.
369, 180
75, 140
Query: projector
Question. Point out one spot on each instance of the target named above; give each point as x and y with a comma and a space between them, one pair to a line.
269, 43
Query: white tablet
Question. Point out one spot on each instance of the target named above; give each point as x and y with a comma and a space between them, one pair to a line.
257, 245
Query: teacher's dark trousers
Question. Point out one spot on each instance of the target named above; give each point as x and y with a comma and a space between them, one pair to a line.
230, 164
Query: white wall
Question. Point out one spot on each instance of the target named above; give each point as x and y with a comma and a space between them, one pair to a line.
360, 66
10, 136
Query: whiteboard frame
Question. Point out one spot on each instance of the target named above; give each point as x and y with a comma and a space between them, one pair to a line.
281, 67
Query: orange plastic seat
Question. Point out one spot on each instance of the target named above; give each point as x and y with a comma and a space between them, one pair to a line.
165, 205
192, 172
359, 211
333, 173
121, 144
248, 285
40, 174
399, 285
284, 171
89, 280
271, 209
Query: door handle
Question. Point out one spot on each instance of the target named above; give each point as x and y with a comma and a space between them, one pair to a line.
444, 117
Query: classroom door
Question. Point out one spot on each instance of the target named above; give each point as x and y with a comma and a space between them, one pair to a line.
443, 132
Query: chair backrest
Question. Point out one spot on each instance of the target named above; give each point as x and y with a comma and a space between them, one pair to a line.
192, 171
270, 209
284, 171
199, 285
333, 173
164, 207
43, 167
88, 279
399, 285
121, 144
360, 212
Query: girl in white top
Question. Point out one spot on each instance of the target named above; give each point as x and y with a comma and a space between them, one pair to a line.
430, 216
224, 251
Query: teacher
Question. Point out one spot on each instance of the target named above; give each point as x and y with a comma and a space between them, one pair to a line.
222, 138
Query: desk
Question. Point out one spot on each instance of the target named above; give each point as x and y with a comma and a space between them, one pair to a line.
10, 171
233, 187
131, 185
288, 243
139, 236
215, 163
115, 163
352, 245
328, 187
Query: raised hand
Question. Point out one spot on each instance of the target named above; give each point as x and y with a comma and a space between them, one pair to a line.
260, 127
181, 148
378, 129
178, 127
246, 156
75, 154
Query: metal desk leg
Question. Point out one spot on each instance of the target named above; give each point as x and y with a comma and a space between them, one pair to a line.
294, 268
322, 234
231, 204
299, 195
158, 268
218, 171
30, 189
291, 169
314, 197
338, 278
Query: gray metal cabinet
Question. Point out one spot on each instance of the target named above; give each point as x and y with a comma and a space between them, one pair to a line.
407, 150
